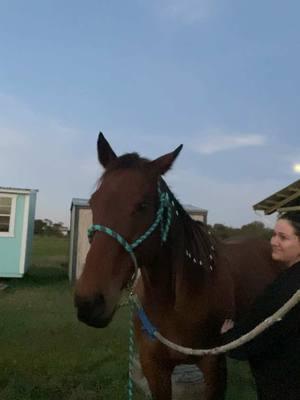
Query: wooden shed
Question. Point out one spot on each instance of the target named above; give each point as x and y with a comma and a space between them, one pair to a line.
17, 211
81, 219
286, 199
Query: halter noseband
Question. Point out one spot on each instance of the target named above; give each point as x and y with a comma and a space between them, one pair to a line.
164, 221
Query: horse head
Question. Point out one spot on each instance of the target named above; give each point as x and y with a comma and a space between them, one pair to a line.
127, 208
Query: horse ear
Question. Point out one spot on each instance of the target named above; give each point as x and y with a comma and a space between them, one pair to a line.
164, 163
105, 152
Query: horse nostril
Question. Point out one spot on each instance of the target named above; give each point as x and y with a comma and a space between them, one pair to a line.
90, 310
99, 304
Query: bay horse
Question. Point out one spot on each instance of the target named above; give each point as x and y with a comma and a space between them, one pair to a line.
190, 281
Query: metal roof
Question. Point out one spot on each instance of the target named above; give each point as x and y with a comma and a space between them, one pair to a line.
16, 190
80, 202
77, 202
287, 199
194, 210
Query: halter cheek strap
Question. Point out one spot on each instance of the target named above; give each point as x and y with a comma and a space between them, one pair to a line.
128, 247
162, 218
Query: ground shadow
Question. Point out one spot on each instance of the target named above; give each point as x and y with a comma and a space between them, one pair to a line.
38, 277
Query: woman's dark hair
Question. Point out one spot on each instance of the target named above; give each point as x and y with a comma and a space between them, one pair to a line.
294, 219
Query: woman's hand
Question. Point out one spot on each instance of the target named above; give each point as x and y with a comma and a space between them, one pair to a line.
227, 325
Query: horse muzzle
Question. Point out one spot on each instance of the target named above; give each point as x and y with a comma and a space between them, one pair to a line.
92, 311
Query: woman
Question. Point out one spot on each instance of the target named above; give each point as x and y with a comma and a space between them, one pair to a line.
274, 355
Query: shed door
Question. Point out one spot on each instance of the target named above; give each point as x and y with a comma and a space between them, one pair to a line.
11, 224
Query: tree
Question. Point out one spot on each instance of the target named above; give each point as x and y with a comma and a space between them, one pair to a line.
225, 232
256, 229
39, 226
253, 229
47, 227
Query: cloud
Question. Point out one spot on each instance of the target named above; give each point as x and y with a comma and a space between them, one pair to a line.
219, 142
227, 203
187, 11
37, 151
40, 152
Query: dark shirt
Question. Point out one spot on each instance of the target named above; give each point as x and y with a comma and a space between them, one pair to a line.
274, 355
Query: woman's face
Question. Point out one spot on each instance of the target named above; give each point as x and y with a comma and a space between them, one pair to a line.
285, 243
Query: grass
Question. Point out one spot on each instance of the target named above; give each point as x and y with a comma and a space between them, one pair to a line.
240, 382
46, 354
50, 251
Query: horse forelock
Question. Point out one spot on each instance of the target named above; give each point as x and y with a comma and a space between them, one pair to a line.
128, 161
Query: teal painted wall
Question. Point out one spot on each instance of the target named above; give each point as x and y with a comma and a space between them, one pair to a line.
10, 247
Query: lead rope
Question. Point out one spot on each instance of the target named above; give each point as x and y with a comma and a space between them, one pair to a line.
130, 349
276, 317
132, 305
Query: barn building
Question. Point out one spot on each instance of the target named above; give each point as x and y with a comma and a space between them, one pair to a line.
81, 219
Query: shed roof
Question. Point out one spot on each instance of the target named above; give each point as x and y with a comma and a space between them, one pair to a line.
194, 210
77, 202
4, 189
286, 199
80, 202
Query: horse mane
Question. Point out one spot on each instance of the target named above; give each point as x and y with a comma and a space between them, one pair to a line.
199, 242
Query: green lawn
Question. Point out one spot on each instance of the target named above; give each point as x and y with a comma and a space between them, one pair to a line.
46, 354
50, 251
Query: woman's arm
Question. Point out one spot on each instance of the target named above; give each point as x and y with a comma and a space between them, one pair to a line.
272, 299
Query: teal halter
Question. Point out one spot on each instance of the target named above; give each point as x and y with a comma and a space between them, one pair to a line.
165, 223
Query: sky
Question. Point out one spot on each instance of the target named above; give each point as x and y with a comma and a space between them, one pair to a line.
219, 76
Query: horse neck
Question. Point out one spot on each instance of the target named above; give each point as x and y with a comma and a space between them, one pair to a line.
159, 277
176, 271
196, 260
